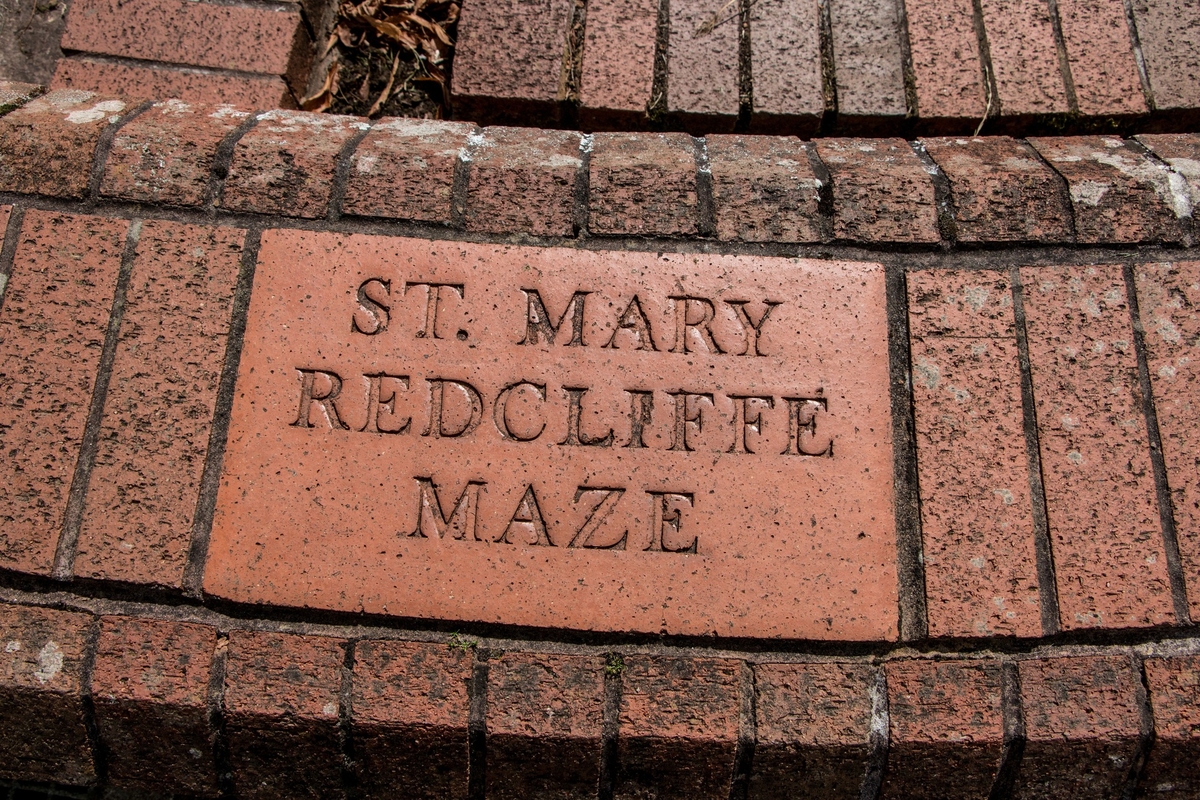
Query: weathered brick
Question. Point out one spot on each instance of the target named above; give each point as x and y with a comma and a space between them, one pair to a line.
764, 189
1174, 685
46, 146
1182, 152
410, 718
678, 727
1100, 52
404, 169
881, 191
785, 54
150, 689
702, 68
544, 711
14, 94
1082, 724
52, 328
281, 710
137, 82
868, 60
523, 181
945, 56
618, 62
1101, 500
1024, 57
1169, 32
5, 213
42, 726
976, 517
154, 434
1001, 191
285, 164
166, 155
947, 728
642, 183
1168, 302
1118, 193
813, 729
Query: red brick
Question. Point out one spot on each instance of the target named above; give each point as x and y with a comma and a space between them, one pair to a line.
46, 146
1182, 152
1174, 685
410, 718
143, 82
154, 433
1001, 191
642, 183
247, 38
947, 728
1168, 299
52, 328
679, 727
42, 729
945, 56
1024, 57
702, 70
1101, 56
813, 728
508, 61
523, 181
1169, 32
764, 189
618, 62
1100, 495
881, 191
1119, 194
14, 94
544, 711
281, 711
867, 57
5, 213
166, 155
1082, 724
285, 164
976, 517
785, 55
150, 689
404, 169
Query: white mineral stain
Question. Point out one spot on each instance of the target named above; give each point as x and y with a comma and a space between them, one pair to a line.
98, 111
12, 647
1089, 192
50, 661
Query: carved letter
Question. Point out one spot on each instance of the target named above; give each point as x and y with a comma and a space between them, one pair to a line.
687, 413
751, 328
702, 326
529, 516
437, 402
373, 308
433, 299
586, 535
537, 321
464, 517
634, 320
666, 517
802, 427
743, 422
642, 407
575, 436
501, 406
326, 401
380, 400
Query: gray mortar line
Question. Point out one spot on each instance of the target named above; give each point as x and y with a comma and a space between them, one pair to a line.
878, 739
907, 70
1146, 733
460, 184
611, 726
104, 148
828, 68
8, 248
743, 758
824, 192
943, 197
986, 67
1064, 61
1064, 186
1139, 56
95, 740
223, 158
706, 222
656, 106
218, 733
583, 185
345, 726
1013, 716
477, 726
341, 170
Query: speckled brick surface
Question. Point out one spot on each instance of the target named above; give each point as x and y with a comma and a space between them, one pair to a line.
618, 61
764, 189
642, 184
1024, 57
139, 82
881, 191
945, 56
522, 180
1101, 55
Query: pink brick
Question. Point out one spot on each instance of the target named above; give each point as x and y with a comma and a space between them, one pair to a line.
618, 62
1100, 495
1169, 31
52, 328
881, 191
139, 82
1101, 56
1025, 58
868, 60
702, 73
785, 53
1174, 685
523, 181
764, 189
5, 213
642, 183
945, 55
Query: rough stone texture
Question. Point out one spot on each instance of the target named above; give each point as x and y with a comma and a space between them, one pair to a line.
1174, 684
702, 71
523, 181
1100, 52
404, 169
642, 183
137, 82
14, 94
166, 154
285, 164
945, 55
1024, 57
1001, 191
150, 687
785, 55
764, 189
1082, 724
544, 714
679, 727
43, 735
1100, 495
410, 718
5, 213
281, 711
618, 62
1182, 152
1119, 194
976, 517
154, 434
46, 146
1169, 305
947, 728
881, 191
813, 723
1169, 31
867, 58
52, 328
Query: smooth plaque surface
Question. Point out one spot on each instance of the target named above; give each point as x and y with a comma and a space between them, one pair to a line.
686, 444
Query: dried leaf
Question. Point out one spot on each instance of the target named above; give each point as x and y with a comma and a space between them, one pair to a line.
387, 89
323, 99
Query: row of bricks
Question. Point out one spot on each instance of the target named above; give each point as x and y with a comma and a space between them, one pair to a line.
512, 50
125, 501
291, 714
1093, 190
